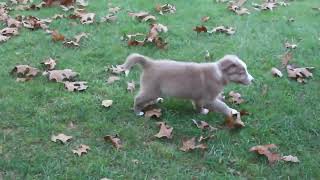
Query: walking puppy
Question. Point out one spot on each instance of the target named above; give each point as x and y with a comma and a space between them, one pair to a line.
200, 82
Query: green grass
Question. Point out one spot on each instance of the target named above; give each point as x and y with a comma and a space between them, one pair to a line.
288, 115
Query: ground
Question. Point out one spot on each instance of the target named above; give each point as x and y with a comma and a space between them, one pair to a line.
286, 115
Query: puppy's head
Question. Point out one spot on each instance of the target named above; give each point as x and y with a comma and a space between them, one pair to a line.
235, 70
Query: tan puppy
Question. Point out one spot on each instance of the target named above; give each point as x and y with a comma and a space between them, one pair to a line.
200, 82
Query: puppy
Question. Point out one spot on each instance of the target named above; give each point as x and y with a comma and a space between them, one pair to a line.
200, 82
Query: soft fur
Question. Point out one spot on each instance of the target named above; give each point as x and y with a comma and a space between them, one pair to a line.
200, 82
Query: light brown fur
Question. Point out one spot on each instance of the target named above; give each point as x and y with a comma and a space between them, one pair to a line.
199, 82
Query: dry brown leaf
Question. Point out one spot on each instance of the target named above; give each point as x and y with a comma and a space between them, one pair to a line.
106, 103
49, 63
32, 22
85, 18
290, 45
25, 71
153, 113
114, 10
82, 149
290, 158
200, 29
82, 3
276, 72
203, 125
13, 23
190, 144
112, 79
23, 79
61, 137
4, 38
142, 16
80, 36
223, 29
118, 69
9, 31
61, 75
109, 18
165, 131
205, 18
203, 139
56, 36
71, 43
264, 150
115, 140
131, 86
76, 86
235, 98
58, 16
300, 74
166, 8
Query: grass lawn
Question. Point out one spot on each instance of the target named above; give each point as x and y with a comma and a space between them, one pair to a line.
287, 115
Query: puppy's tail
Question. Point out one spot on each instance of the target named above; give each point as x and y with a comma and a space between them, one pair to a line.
135, 58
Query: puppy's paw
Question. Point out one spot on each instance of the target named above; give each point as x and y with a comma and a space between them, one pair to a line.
140, 113
204, 111
233, 111
159, 100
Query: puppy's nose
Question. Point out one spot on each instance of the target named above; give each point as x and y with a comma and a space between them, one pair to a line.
250, 77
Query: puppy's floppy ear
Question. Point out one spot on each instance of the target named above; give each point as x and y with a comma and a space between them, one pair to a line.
227, 64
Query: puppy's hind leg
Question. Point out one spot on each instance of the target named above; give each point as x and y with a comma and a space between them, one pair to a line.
219, 106
142, 100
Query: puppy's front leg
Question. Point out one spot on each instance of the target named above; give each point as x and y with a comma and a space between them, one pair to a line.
199, 107
219, 106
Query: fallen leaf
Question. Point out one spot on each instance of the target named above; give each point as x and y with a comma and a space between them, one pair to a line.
290, 158
165, 131
264, 150
300, 74
71, 44
203, 125
25, 71
166, 8
200, 29
205, 18
9, 31
76, 86
118, 69
153, 113
115, 140
106, 103
82, 3
290, 45
114, 10
112, 79
235, 98
61, 75
50, 63
4, 38
80, 36
61, 137
142, 16
131, 86
203, 139
13, 23
276, 72
223, 29
58, 16
82, 149
190, 144
109, 18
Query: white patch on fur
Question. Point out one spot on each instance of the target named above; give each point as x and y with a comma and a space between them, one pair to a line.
140, 113
204, 111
